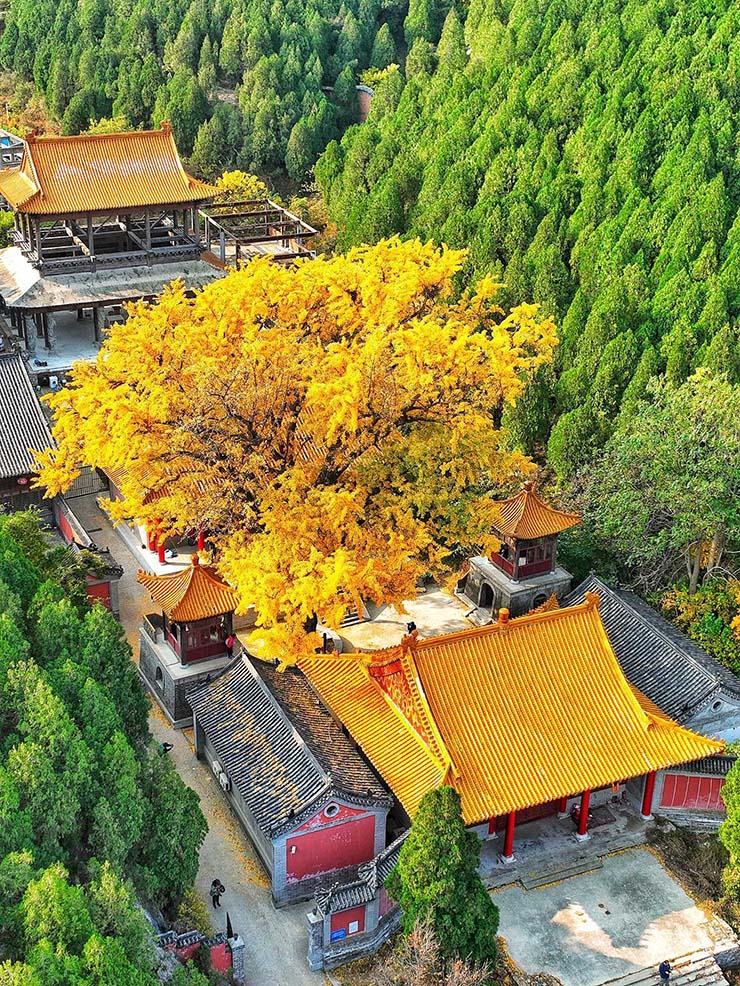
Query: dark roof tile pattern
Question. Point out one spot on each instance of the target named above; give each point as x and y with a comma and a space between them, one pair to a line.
674, 672
22, 422
371, 877
281, 758
323, 735
715, 766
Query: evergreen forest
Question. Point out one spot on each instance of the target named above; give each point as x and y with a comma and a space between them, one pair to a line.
586, 154
256, 83
94, 817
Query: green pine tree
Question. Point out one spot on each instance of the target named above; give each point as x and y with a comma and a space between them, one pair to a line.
437, 880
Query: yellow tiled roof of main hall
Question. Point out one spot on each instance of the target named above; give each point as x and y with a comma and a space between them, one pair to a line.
526, 712
101, 172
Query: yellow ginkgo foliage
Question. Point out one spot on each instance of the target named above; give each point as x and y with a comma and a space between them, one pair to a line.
333, 427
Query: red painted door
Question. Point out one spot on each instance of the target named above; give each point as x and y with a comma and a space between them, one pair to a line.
693, 792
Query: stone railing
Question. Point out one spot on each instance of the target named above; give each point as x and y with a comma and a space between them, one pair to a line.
151, 624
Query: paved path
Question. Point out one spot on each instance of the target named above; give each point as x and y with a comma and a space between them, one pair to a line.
276, 940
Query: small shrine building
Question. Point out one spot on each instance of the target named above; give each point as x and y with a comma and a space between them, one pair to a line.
524, 572
100, 220
184, 643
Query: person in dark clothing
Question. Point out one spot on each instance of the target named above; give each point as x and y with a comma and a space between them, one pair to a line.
217, 888
664, 971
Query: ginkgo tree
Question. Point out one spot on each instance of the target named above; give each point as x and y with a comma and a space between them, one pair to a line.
334, 427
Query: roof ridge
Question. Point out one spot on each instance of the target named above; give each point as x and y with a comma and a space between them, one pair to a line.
27, 156
622, 681
417, 692
70, 138
210, 572
395, 651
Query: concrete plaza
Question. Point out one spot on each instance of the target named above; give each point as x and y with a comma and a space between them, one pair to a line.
628, 915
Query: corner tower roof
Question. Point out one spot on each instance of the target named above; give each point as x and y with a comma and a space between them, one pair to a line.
99, 173
513, 715
526, 516
193, 593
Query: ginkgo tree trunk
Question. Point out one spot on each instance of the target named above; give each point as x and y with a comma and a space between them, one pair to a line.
332, 426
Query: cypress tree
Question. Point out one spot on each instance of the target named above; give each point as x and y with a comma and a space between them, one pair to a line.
437, 880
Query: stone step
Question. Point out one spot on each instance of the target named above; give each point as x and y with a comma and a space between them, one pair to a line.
694, 969
567, 868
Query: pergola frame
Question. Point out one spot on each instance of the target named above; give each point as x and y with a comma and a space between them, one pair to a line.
253, 222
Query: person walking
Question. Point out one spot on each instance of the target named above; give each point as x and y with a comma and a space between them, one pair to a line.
664, 971
217, 888
230, 645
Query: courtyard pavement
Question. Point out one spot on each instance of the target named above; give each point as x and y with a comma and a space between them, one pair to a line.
276, 940
627, 915
434, 611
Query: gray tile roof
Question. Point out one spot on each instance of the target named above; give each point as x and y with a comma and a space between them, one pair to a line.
370, 877
717, 765
279, 745
673, 671
22, 422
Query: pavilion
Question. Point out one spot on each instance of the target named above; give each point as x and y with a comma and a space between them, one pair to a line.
525, 717
184, 644
523, 574
100, 220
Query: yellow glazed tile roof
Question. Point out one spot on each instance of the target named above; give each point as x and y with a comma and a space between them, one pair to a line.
193, 593
525, 516
523, 713
101, 172
396, 750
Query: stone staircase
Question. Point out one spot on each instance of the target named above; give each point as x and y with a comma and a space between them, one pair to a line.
553, 873
354, 616
694, 969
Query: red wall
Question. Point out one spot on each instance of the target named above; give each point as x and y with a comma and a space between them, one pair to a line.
325, 849
221, 957
342, 920
65, 527
99, 593
683, 791
184, 954
385, 903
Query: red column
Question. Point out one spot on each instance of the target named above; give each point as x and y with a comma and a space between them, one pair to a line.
151, 539
562, 806
201, 539
492, 825
160, 550
509, 836
647, 797
583, 815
